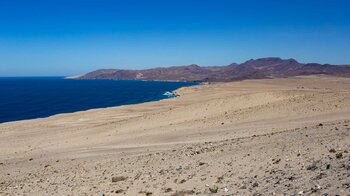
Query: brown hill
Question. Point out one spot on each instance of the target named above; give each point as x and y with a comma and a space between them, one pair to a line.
252, 69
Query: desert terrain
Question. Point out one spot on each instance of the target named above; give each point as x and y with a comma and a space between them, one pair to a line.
286, 136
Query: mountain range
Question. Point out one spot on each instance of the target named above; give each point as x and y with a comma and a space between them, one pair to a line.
272, 67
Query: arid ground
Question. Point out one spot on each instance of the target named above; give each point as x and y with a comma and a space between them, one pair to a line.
256, 137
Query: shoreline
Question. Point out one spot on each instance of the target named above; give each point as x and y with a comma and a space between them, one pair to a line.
90, 110
162, 97
242, 137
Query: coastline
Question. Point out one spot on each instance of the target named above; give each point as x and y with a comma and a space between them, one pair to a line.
175, 92
201, 138
75, 95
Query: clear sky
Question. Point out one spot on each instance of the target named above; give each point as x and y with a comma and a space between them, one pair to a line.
68, 37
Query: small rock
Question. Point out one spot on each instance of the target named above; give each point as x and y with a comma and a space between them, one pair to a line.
318, 186
332, 150
277, 161
346, 185
255, 184
339, 155
291, 178
312, 167
146, 193
320, 176
138, 175
179, 168
167, 190
183, 193
118, 178
220, 179
119, 191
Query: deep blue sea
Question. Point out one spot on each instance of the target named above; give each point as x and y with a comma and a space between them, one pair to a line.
37, 97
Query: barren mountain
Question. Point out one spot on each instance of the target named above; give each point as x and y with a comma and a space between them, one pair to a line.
272, 67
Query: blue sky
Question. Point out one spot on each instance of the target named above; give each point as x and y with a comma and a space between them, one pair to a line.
68, 37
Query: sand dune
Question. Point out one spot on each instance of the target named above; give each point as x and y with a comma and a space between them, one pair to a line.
270, 136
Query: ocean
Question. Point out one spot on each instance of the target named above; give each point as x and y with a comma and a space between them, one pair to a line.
38, 97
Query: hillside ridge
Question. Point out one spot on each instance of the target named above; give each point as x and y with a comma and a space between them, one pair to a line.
270, 67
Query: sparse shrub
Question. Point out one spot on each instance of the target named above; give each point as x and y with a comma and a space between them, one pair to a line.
213, 189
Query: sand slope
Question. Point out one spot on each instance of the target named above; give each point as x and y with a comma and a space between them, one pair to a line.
273, 136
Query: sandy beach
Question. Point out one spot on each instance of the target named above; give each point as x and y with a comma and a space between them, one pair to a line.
286, 136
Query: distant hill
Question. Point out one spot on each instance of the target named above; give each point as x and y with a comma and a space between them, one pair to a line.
272, 67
